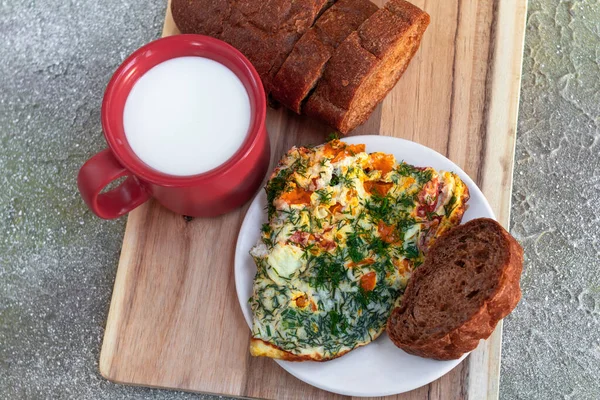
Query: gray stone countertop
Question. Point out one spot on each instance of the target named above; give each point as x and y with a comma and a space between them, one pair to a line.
58, 261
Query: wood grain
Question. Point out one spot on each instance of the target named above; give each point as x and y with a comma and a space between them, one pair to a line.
174, 320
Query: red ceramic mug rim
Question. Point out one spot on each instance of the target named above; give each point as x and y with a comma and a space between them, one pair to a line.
153, 54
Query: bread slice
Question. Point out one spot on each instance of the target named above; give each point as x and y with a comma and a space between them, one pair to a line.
304, 66
264, 31
206, 17
367, 65
468, 282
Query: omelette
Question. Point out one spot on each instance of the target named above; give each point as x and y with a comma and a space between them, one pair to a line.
345, 231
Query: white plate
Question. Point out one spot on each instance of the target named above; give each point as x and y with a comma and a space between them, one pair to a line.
380, 368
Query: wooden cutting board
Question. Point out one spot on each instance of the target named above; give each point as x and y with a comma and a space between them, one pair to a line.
175, 321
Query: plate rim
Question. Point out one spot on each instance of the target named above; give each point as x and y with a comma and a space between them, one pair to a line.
238, 251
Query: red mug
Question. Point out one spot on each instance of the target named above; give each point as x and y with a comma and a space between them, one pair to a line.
204, 195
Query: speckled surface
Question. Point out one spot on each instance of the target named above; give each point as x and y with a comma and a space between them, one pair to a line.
58, 261
551, 346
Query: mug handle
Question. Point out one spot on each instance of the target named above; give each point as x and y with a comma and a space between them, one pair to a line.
98, 172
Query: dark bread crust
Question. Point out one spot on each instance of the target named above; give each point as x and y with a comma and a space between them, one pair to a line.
304, 65
345, 72
383, 47
264, 31
206, 17
421, 327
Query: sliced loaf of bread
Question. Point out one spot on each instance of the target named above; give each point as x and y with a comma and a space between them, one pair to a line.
367, 65
264, 31
468, 282
349, 58
304, 66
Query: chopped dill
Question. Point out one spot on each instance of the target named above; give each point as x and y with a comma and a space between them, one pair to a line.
355, 247
450, 206
324, 195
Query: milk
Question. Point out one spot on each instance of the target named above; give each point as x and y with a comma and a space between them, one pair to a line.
187, 116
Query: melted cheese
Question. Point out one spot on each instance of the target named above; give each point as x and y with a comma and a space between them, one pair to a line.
283, 262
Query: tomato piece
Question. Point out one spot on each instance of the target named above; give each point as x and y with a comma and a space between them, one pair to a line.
387, 233
354, 149
377, 187
340, 150
368, 281
331, 148
339, 157
336, 208
297, 196
382, 162
366, 261
302, 301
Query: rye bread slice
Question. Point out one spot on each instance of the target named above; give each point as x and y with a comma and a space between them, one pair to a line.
206, 17
264, 31
468, 282
382, 47
304, 66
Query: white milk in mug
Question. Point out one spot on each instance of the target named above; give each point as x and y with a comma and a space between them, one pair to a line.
186, 116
